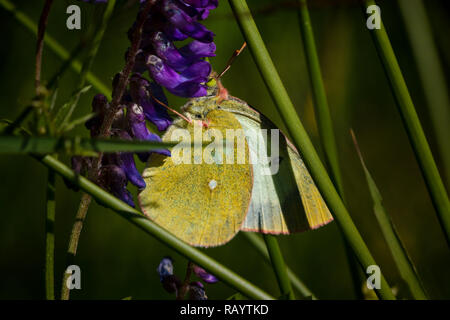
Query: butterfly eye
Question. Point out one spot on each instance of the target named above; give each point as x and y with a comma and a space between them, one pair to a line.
198, 116
219, 107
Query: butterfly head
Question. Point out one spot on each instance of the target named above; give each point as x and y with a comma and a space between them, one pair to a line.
198, 109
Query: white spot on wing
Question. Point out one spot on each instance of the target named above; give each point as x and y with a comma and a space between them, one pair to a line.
212, 184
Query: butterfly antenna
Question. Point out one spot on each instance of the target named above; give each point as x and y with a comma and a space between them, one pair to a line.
170, 109
223, 93
235, 54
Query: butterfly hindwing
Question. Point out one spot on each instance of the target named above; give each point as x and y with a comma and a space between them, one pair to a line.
287, 201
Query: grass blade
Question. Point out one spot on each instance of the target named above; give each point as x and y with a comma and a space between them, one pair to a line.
137, 218
412, 124
54, 45
324, 122
87, 64
404, 264
279, 266
301, 139
325, 125
258, 243
431, 73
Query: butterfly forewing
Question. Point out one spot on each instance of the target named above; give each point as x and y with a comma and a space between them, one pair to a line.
203, 204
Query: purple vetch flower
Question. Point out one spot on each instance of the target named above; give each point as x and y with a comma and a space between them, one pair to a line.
182, 71
170, 282
188, 83
197, 291
139, 130
114, 179
126, 162
205, 276
148, 95
165, 268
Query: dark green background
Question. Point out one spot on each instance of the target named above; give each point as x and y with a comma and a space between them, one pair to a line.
118, 260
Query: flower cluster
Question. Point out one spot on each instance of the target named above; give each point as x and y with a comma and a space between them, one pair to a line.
129, 123
182, 72
172, 284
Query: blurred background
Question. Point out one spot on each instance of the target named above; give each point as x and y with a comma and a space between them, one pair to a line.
118, 260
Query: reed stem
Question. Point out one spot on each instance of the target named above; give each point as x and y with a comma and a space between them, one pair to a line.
301, 139
279, 266
412, 125
325, 126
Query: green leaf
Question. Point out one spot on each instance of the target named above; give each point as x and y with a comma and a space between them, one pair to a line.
69, 126
325, 125
258, 243
9, 123
55, 46
398, 251
237, 296
412, 124
65, 111
53, 98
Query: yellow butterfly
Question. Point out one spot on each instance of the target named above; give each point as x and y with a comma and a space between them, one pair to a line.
206, 203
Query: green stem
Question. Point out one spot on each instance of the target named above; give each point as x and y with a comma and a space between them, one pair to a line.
75, 145
404, 264
324, 121
43, 20
18, 122
258, 243
431, 73
279, 266
73, 241
412, 124
301, 139
53, 45
325, 124
85, 199
50, 237
138, 219
92, 53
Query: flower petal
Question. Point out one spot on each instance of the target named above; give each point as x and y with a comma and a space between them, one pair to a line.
199, 70
143, 94
189, 89
129, 167
205, 276
139, 130
166, 50
165, 268
114, 179
197, 291
196, 50
126, 162
186, 24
